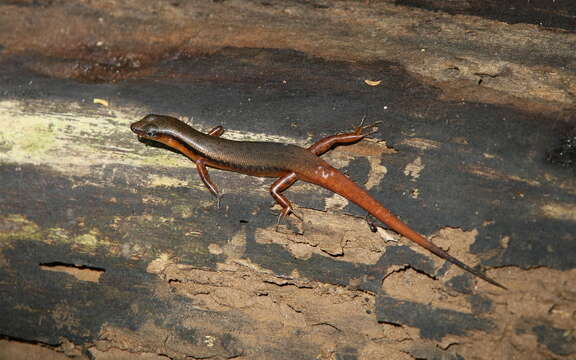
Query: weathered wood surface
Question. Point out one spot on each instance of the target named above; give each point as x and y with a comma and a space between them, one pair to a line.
113, 248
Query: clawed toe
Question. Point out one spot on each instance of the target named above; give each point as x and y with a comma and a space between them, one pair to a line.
284, 213
360, 128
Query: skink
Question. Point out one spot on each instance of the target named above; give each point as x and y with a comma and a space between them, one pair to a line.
286, 162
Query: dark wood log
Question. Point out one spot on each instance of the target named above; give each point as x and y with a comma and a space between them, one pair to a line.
111, 247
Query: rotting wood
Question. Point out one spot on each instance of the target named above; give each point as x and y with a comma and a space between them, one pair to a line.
184, 278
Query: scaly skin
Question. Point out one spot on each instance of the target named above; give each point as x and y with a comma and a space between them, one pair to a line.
287, 162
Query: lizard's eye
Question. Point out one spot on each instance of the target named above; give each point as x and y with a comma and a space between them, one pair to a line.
151, 132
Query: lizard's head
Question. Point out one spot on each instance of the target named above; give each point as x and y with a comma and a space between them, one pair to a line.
154, 126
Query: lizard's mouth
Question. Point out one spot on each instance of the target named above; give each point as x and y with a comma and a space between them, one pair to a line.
136, 130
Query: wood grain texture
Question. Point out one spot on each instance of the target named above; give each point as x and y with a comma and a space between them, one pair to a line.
109, 245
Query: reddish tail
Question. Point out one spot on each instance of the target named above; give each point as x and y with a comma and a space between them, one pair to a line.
334, 180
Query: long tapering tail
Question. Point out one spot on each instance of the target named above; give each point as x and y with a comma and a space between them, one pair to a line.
332, 179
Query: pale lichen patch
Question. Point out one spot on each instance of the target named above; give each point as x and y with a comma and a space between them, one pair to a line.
421, 144
494, 174
66, 141
15, 226
158, 180
377, 172
414, 168
559, 211
90, 240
